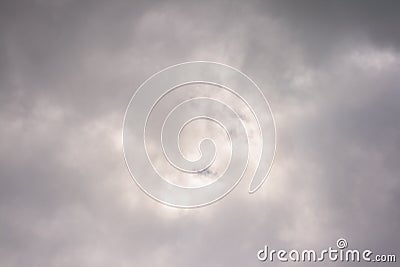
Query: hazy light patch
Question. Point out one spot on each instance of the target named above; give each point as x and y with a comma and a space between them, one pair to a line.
300, 77
93, 140
373, 59
221, 51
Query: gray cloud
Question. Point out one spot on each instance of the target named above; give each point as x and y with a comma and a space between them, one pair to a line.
68, 69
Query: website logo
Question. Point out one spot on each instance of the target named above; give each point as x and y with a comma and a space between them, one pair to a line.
340, 253
193, 130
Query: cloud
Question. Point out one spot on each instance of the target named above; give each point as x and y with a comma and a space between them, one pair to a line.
68, 69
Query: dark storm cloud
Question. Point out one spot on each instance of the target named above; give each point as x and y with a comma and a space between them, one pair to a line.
322, 27
52, 49
68, 69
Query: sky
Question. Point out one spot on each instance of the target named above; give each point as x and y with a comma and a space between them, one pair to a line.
329, 69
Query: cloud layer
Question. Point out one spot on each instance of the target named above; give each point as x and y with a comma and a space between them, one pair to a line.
69, 68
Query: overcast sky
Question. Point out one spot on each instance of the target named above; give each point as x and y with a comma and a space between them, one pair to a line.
330, 70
